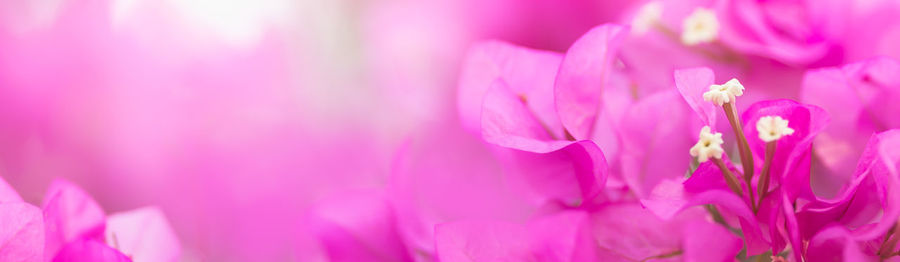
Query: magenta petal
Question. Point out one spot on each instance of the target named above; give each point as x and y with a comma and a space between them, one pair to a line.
858, 204
559, 169
790, 223
69, 214
530, 73
707, 242
88, 250
790, 166
655, 133
670, 197
707, 176
575, 172
561, 237
357, 227
21, 232
885, 173
871, 202
582, 76
144, 235
835, 242
692, 83
7, 193
628, 232
507, 121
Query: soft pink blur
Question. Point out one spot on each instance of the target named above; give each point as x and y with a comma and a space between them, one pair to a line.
235, 128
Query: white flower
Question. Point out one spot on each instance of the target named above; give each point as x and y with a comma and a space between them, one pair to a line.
772, 128
709, 145
646, 17
701, 26
724, 93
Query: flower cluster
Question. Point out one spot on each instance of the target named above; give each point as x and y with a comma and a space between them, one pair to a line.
70, 226
627, 147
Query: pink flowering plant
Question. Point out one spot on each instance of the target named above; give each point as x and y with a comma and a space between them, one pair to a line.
450, 130
628, 147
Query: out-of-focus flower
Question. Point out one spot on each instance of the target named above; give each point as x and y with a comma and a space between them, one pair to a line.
858, 97
536, 101
72, 227
792, 32
701, 26
864, 215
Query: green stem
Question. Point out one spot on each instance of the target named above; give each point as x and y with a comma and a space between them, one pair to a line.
744, 148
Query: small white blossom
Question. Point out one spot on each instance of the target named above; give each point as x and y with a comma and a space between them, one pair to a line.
701, 26
646, 17
724, 93
772, 128
708, 146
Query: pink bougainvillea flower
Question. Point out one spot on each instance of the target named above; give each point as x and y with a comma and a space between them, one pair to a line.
792, 32
833, 243
869, 205
790, 163
779, 177
671, 197
654, 133
71, 228
582, 77
552, 109
656, 26
729, 33
855, 96
538, 156
507, 94
77, 228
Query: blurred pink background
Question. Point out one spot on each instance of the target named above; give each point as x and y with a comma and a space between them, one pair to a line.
235, 116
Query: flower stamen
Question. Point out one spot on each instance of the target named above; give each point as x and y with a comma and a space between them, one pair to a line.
725, 95
709, 147
770, 128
